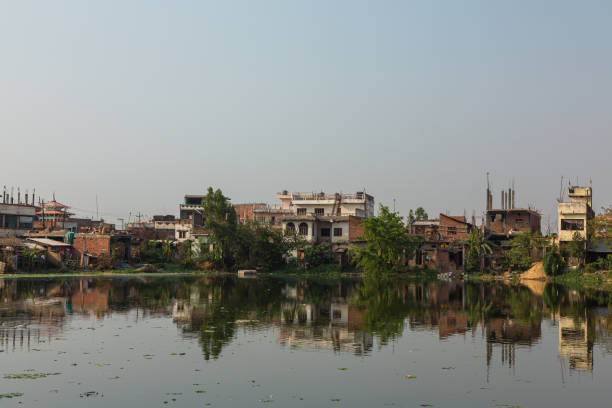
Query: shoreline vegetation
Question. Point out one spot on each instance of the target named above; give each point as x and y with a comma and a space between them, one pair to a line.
573, 279
384, 252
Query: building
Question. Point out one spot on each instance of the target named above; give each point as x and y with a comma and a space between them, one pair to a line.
333, 219
245, 212
444, 242
270, 215
53, 214
359, 204
454, 228
88, 247
16, 219
192, 209
509, 220
574, 215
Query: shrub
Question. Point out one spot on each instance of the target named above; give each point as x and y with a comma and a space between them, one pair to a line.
317, 255
553, 263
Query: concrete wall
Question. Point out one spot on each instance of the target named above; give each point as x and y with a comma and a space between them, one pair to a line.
572, 211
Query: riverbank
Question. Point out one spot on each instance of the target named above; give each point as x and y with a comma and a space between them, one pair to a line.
331, 271
573, 279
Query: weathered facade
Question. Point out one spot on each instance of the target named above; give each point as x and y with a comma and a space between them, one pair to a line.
573, 216
508, 220
359, 204
16, 219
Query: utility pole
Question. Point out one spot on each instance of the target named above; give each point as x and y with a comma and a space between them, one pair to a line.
394, 205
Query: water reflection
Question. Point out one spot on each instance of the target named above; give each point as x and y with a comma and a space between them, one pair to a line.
353, 316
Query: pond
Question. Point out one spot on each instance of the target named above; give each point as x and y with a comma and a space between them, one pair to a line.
196, 341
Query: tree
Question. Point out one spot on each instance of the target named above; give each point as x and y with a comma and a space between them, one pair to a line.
420, 214
576, 248
219, 218
525, 247
388, 245
478, 249
599, 229
553, 262
317, 255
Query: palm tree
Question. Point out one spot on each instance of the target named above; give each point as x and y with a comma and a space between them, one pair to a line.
478, 249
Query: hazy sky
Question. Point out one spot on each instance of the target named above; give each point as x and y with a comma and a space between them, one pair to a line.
141, 102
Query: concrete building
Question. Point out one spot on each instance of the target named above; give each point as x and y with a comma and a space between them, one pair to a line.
270, 215
333, 219
574, 215
16, 219
192, 209
359, 204
508, 220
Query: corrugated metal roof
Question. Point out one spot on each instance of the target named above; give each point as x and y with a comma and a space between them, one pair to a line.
49, 242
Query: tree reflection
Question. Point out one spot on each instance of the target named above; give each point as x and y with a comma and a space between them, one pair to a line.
385, 304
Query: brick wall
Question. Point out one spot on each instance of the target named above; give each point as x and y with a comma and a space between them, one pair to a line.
453, 229
355, 228
244, 212
94, 244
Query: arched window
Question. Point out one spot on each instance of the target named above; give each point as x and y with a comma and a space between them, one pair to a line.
303, 229
291, 227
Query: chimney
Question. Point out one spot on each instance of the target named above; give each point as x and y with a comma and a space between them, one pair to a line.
33, 192
502, 199
513, 202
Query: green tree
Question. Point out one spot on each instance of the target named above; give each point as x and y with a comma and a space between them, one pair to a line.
576, 248
525, 248
478, 249
317, 255
219, 218
411, 217
388, 246
420, 214
553, 262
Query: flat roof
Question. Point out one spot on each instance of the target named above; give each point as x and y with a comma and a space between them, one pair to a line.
49, 242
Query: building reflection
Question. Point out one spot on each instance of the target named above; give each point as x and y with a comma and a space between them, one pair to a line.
345, 316
332, 325
574, 343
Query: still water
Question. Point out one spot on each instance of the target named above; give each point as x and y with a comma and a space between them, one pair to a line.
228, 342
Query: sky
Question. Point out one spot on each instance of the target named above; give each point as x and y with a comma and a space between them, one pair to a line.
140, 102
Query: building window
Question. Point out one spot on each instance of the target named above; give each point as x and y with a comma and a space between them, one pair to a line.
452, 230
572, 225
518, 223
303, 229
325, 232
301, 211
337, 232
291, 227
319, 211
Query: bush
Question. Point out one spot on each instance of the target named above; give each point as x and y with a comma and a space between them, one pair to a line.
151, 252
106, 262
518, 258
553, 263
317, 255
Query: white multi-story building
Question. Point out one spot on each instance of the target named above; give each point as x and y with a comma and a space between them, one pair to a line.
359, 204
573, 216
